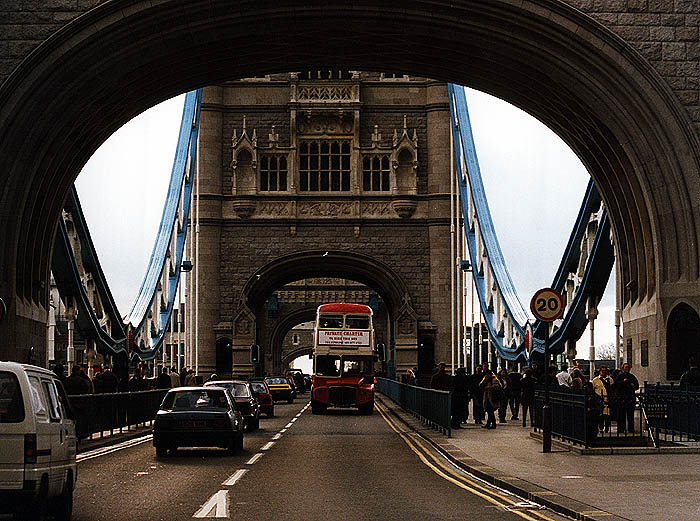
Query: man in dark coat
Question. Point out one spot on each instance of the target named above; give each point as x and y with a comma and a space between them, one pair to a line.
691, 378
477, 396
109, 383
527, 394
625, 386
441, 380
163, 381
513, 392
460, 398
75, 383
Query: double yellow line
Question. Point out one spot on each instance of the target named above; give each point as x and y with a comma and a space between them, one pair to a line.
449, 474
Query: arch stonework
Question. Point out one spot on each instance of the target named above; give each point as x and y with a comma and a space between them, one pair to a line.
628, 108
403, 326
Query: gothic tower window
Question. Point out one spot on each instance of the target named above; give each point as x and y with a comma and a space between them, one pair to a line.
324, 166
375, 174
273, 174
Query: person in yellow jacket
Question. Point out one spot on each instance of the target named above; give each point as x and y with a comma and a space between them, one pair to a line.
602, 384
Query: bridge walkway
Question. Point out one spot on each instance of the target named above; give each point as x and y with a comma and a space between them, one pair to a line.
599, 487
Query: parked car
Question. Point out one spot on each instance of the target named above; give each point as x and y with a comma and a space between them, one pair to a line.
264, 397
37, 443
198, 417
280, 388
245, 401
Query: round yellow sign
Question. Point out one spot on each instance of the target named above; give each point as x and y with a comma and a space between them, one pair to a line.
547, 305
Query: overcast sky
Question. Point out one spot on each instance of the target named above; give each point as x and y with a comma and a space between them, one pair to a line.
534, 183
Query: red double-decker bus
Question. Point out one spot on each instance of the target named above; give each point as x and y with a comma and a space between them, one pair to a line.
343, 358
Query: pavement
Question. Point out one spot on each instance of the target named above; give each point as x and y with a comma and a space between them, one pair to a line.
624, 484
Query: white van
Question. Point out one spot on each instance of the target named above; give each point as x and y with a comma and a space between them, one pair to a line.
37, 443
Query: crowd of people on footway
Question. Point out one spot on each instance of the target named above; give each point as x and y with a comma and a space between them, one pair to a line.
611, 394
105, 381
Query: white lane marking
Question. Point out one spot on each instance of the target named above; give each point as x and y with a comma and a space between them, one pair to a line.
288, 425
277, 436
254, 459
268, 445
292, 420
283, 431
96, 453
235, 477
216, 506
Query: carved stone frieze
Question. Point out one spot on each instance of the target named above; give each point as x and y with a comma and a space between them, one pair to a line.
275, 208
324, 93
376, 209
325, 209
324, 124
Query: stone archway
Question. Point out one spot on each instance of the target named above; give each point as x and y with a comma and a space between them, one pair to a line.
683, 339
403, 322
587, 84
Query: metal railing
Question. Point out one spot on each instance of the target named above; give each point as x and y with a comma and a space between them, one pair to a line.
429, 405
97, 414
577, 421
672, 412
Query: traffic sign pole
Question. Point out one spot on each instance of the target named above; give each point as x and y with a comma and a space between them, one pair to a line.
547, 305
546, 408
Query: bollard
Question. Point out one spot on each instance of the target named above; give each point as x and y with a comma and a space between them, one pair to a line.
546, 428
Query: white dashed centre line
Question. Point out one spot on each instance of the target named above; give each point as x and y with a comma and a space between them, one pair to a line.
268, 445
254, 459
235, 477
277, 436
288, 425
283, 431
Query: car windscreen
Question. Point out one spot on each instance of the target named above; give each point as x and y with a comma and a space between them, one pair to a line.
11, 403
358, 366
357, 322
240, 391
258, 387
276, 381
327, 365
195, 400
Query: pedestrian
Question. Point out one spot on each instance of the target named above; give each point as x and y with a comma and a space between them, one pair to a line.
477, 395
174, 377
60, 372
460, 397
577, 380
163, 380
594, 408
190, 379
602, 385
503, 406
137, 382
691, 378
513, 392
527, 394
75, 383
550, 379
493, 393
624, 387
183, 375
441, 380
563, 377
109, 383
88, 380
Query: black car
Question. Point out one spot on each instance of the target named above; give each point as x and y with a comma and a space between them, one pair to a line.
245, 401
198, 417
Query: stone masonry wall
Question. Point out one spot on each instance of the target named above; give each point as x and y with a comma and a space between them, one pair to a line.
665, 32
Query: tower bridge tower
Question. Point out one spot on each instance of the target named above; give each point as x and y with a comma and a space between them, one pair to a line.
323, 175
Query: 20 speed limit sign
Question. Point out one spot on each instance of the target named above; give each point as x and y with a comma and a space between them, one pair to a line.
547, 305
